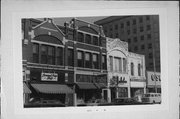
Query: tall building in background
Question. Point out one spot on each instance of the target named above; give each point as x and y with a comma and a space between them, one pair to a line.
141, 33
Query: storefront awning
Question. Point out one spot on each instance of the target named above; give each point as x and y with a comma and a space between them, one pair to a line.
26, 89
52, 88
86, 86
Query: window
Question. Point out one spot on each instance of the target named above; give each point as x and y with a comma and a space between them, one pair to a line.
95, 40
142, 37
141, 29
142, 47
70, 57
147, 18
140, 19
135, 48
95, 61
44, 51
132, 69
120, 64
149, 46
111, 63
80, 37
104, 62
148, 27
134, 21
128, 32
116, 60
139, 70
59, 56
135, 39
124, 65
88, 39
87, 60
150, 55
51, 55
116, 27
134, 31
149, 36
122, 25
117, 35
128, 23
80, 59
129, 40
35, 53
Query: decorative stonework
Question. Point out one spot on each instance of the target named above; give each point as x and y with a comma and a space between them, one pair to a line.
116, 43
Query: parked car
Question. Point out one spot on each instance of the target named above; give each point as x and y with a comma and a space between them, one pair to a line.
96, 102
80, 102
45, 103
152, 98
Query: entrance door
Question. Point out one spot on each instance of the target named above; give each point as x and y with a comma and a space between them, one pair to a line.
105, 95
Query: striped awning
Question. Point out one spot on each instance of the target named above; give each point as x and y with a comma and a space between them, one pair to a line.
52, 88
86, 86
26, 89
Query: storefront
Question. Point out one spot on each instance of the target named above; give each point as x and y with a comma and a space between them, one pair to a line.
49, 85
138, 87
119, 84
153, 81
90, 87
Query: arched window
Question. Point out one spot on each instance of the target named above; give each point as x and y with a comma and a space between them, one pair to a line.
139, 70
132, 69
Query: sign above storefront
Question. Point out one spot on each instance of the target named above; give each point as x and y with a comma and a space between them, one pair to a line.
49, 76
154, 78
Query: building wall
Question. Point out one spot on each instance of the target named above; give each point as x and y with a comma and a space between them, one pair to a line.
141, 33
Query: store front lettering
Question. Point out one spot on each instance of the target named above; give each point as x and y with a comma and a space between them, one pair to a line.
49, 76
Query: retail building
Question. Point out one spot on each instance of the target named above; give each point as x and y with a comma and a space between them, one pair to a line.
126, 70
63, 63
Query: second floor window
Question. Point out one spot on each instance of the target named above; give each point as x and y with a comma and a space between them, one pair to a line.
95, 40
44, 51
47, 54
51, 55
111, 63
132, 69
139, 70
80, 37
70, 57
87, 60
59, 54
80, 59
124, 65
95, 61
88, 39
104, 62
35, 53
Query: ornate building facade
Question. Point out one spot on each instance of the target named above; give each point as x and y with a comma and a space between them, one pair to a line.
63, 63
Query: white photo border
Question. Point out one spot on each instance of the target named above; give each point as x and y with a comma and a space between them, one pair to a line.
16, 87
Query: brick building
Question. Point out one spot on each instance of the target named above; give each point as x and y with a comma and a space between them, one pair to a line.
63, 63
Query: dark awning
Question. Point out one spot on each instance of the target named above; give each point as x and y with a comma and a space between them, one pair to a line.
26, 89
52, 88
86, 86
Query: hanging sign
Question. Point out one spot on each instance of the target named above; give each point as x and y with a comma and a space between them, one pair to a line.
49, 76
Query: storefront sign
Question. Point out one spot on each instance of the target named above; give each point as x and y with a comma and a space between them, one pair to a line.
49, 76
117, 80
154, 78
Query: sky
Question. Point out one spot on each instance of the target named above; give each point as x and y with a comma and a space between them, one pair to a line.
61, 21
